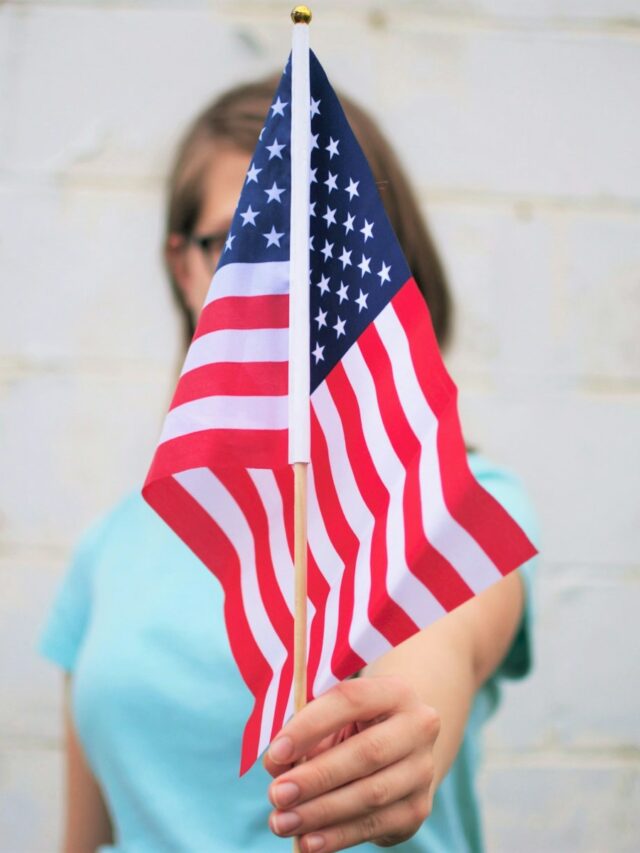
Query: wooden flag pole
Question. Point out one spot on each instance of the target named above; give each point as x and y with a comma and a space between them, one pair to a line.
299, 335
300, 613
300, 560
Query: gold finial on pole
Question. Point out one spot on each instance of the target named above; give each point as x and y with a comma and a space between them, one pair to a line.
301, 15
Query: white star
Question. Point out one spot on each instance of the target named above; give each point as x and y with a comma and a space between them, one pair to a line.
278, 107
330, 183
345, 257
312, 208
252, 174
327, 251
339, 327
314, 141
318, 353
332, 147
230, 239
323, 284
330, 216
311, 246
274, 149
363, 266
384, 273
315, 108
321, 319
249, 216
274, 193
362, 301
261, 132
352, 189
313, 179
273, 237
368, 226
348, 223
342, 293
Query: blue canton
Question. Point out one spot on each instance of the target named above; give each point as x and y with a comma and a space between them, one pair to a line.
260, 226
356, 263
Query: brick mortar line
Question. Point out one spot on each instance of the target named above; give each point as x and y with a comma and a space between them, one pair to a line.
108, 184
108, 369
377, 22
29, 743
523, 205
372, 20
562, 759
584, 386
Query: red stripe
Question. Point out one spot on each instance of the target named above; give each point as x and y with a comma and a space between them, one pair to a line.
207, 540
344, 661
242, 379
220, 448
411, 309
427, 564
318, 592
284, 481
243, 490
467, 501
384, 613
244, 312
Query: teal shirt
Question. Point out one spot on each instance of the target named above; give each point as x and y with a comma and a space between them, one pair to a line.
159, 705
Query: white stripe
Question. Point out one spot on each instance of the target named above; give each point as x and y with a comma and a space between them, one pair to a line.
403, 586
271, 499
237, 345
446, 535
263, 279
216, 501
225, 413
332, 567
364, 638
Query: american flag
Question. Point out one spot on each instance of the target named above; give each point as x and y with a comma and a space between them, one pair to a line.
399, 531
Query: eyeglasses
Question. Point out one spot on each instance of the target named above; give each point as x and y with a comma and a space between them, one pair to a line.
211, 246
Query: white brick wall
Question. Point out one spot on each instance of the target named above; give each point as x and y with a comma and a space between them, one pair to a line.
519, 121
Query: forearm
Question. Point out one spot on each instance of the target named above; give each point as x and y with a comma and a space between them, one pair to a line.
442, 675
87, 821
448, 661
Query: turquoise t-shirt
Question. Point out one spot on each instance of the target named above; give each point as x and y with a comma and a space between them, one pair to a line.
159, 705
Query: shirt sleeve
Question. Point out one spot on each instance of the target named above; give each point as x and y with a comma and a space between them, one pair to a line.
507, 489
68, 619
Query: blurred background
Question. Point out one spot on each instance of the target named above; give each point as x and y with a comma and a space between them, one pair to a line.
519, 122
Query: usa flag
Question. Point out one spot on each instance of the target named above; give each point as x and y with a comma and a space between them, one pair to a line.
399, 531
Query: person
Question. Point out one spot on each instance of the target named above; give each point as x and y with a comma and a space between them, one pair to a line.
155, 704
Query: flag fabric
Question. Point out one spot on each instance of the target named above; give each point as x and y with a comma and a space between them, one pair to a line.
399, 531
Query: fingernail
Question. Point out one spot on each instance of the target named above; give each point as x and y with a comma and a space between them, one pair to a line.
281, 750
285, 793
314, 843
285, 822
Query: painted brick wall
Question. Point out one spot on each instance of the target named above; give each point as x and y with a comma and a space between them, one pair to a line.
519, 122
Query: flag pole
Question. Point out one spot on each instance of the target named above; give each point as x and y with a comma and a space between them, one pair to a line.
299, 332
299, 380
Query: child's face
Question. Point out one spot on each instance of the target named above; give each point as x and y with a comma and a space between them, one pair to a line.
223, 184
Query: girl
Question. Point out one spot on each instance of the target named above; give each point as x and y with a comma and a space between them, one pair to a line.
155, 701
